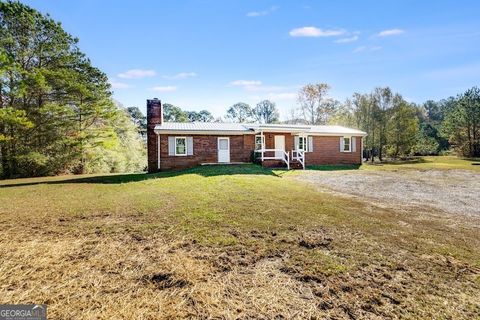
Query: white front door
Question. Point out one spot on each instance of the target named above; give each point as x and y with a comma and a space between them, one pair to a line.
279, 145
224, 150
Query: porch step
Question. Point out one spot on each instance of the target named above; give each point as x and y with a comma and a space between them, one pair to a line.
273, 164
295, 164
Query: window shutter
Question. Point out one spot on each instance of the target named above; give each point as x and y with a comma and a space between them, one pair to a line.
171, 146
296, 142
341, 144
310, 144
190, 146
353, 141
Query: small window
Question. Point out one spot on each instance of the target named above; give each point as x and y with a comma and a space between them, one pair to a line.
180, 146
346, 144
258, 142
302, 143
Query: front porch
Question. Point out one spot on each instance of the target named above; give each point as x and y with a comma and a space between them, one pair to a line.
275, 149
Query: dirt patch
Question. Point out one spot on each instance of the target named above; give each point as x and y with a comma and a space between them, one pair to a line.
452, 191
316, 239
165, 280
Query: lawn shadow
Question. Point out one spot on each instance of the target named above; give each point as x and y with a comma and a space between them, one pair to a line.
205, 171
334, 167
475, 161
406, 161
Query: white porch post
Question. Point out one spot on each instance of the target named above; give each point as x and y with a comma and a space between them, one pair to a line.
263, 145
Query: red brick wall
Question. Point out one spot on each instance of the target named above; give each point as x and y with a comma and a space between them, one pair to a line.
205, 151
326, 150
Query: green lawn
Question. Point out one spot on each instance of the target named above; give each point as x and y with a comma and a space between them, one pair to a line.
417, 163
432, 162
228, 242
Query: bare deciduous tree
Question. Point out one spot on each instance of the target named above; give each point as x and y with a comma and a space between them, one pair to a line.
315, 107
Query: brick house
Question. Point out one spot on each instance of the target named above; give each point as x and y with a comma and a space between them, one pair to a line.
174, 145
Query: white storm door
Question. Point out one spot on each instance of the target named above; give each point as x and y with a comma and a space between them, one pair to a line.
223, 150
279, 145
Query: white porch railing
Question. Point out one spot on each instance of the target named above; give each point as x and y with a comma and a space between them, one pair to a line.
284, 155
300, 156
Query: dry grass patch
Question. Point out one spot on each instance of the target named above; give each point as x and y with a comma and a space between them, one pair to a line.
228, 242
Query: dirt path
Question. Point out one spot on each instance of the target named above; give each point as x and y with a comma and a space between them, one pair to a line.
451, 191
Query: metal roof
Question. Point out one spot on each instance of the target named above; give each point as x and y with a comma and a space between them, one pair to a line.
245, 128
201, 126
335, 130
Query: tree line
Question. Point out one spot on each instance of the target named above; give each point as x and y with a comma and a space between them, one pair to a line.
57, 114
56, 111
264, 112
395, 127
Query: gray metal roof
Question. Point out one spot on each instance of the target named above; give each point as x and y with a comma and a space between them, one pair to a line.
245, 128
202, 126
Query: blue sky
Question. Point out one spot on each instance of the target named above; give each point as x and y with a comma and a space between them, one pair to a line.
211, 54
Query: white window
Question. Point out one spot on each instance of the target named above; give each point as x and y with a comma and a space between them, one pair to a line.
180, 146
258, 142
302, 143
346, 144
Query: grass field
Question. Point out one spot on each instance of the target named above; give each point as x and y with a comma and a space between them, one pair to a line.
417, 163
231, 242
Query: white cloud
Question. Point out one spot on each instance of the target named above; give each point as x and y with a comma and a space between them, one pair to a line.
359, 49
261, 88
119, 85
275, 96
244, 83
137, 74
347, 40
390, 32
315, 32
257, 86
253, 14
181, 75
365, 48
282, 96
164, 88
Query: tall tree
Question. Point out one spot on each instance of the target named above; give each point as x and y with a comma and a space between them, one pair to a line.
49, 86
401, 129
431, 115
240, 112
174, 114
315, 106
266, 112
365, 114
462, 123
139, 119
383, 99
200, 116
344, 115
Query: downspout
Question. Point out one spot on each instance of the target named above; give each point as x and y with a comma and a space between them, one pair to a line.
158, 151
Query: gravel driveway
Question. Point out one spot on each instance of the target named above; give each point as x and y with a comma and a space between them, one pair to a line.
452, 191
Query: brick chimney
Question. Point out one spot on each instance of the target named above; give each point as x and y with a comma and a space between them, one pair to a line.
154, 117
